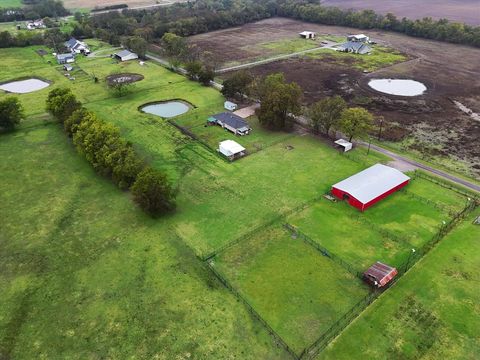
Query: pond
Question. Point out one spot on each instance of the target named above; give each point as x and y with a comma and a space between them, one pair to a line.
167, 109
400, 87
24, 86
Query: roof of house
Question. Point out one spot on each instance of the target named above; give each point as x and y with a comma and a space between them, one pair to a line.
354, 46
358, 36
124, 53
71, 43
231, 146
382, 273
372, 182
64, 56
232, 120
229, 103
343, 142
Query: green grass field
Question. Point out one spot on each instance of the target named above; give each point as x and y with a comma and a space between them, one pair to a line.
296, 289
85, 274
10, 3
432, 313
380, 57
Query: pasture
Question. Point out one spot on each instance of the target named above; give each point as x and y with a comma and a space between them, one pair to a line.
117, 284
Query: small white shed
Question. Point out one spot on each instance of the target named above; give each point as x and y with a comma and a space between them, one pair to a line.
307, 34
231, 149
345, 144
230, 106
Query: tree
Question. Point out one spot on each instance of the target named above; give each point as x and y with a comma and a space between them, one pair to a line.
175, 46
237, 84
138, 45
11, 112
153, 193
54, 38
279, 100
193, 69
355, 122
61, 103
206, 75
326, 113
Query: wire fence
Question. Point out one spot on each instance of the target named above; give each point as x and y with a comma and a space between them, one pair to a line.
444, 184
323, 250
357, 309
252, 310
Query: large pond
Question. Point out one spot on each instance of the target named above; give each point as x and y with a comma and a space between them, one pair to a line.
166, 109
24, 86
398, 87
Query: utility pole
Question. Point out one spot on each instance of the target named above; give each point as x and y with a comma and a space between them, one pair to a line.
369, 143
381, 126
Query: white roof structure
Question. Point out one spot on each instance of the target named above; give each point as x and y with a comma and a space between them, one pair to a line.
228, 105
359, 36
126, 55
345, 144
230, 148
307, 33
372, 182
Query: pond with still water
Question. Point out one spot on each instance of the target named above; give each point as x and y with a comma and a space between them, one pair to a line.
399, 87
166, 109
24, 86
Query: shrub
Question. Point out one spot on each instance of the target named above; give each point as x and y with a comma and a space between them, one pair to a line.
61, 103
11, 112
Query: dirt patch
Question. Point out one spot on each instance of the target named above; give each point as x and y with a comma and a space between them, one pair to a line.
466, 11
123, 78
432, 122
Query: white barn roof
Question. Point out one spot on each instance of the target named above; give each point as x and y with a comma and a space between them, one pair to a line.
230, 147
372, 182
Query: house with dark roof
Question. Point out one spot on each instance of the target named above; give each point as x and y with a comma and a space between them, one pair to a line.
355, 47
231, 122
77, 47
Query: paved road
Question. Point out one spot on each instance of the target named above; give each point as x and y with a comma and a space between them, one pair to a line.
274, 58
427, 168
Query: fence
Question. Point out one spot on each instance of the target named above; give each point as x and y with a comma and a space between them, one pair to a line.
444, 184
252, 311
351, 269
355, 311
258, 228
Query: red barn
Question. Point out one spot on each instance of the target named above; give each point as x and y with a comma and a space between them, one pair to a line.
369, 186
379, 274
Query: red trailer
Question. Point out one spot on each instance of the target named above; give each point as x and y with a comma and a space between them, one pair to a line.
379, 274
369, 186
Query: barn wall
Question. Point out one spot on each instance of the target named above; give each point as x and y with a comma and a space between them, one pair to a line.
352, 201
384, 195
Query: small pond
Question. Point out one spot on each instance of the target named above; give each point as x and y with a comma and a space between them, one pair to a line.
24, 86
400, 87
167, 109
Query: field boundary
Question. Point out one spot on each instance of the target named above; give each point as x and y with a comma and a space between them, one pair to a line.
329, 335
323, 250
445, 184
251, 309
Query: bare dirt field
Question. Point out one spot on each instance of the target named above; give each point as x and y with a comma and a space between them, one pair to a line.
90, 4
431, 124
467, 11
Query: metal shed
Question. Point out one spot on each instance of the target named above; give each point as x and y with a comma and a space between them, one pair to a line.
379, 274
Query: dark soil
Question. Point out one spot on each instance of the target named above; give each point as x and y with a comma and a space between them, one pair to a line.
126, 78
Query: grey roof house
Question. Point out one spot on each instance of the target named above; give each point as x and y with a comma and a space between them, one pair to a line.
65, 58
231, 122
355, 47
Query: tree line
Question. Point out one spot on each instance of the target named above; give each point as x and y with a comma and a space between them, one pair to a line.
111, 155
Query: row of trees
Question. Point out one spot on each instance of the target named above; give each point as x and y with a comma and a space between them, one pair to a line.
443, 30
110, 154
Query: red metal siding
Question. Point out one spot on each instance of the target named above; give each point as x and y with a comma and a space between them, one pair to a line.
361, 206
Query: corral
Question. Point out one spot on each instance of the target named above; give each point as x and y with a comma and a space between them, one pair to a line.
289, 257
431, 126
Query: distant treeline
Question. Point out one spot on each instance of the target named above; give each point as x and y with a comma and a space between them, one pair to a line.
110, 7
192, 18
34, 9
442, 29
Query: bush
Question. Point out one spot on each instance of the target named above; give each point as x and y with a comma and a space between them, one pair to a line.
61, 103
11, 112
153, 193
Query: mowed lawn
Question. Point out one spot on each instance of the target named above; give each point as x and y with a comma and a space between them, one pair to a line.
431, 313
385, 232
10, 3
85, 274
299, 292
